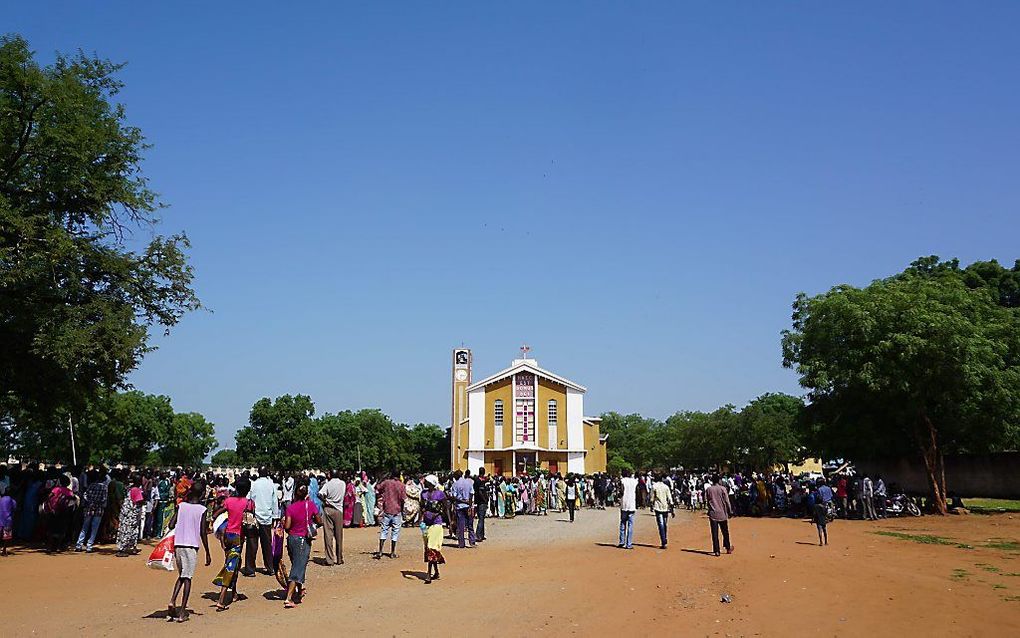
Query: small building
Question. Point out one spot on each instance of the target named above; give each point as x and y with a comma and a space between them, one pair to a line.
521, 419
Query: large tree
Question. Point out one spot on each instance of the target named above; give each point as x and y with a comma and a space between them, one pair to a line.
79, 289
925, 362
279, 433
187, 440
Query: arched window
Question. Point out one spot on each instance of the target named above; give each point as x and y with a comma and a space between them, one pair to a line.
497, 413
553, 416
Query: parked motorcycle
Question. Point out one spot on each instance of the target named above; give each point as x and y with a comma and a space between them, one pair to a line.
900, 505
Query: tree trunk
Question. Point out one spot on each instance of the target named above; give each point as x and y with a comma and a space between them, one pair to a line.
934, 464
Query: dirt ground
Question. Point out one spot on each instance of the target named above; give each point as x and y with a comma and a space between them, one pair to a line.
543, 575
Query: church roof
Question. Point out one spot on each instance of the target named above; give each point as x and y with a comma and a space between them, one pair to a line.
526, 365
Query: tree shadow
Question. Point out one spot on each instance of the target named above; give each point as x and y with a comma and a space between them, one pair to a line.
704, 552
410, 573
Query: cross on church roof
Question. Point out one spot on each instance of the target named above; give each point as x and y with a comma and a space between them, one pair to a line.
525, 349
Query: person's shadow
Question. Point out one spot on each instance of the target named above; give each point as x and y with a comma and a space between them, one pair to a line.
410, 573
704, 552
164, 613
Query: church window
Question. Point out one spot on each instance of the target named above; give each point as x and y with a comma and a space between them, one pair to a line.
552, 413
497, 413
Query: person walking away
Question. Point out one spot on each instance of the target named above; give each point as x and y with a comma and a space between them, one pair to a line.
717, 498
130, 519
868, 498
298, 520
391, 495
482, 484
95, 503
235, 507
432, 503
628, 506
263, 494
7, 507
662, 505
58, 508
188, 523
464, 498
332, 496
819, 515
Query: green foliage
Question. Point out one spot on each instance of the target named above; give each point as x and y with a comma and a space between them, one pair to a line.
187, 442
926, 362
285, 434
77, 303
762, 435
225, 458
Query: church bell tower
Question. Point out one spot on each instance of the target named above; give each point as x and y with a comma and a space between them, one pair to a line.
461, 377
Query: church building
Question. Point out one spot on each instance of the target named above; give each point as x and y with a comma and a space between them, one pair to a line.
520, 419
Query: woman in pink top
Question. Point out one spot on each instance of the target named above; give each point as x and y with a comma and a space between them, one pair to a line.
298, 521
130, 518
235, 507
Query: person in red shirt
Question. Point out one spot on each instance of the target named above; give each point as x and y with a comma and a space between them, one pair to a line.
391, 494
841, 495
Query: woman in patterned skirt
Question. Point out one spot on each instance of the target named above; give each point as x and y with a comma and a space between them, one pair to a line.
129, 523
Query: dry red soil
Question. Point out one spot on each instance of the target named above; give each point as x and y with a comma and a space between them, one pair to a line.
541, 575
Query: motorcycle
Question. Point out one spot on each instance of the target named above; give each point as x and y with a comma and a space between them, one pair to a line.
900, 505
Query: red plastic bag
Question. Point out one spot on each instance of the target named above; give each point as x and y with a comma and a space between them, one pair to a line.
162, 557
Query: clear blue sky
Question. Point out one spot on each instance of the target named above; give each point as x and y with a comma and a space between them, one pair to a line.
638, 190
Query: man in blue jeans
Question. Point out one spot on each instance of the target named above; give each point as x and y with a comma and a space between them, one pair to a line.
662, 505
628, 505
464, 496
95, 504
391, 495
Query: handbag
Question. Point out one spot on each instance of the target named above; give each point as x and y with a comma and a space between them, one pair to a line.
310, 526
248, 520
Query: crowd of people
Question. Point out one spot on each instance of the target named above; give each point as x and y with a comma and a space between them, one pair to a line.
259, 514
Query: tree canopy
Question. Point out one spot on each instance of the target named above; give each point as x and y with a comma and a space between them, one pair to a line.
285, 433
924, 362
762, 435
79, 291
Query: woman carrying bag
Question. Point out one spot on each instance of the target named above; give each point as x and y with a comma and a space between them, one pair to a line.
300, 520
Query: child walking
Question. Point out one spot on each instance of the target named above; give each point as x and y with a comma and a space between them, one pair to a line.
820, 522
188, 523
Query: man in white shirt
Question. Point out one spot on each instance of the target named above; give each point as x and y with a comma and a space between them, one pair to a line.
263, 494
288, 493
332, 495
628, 505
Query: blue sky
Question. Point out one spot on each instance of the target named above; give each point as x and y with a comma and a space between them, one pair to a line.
637, 190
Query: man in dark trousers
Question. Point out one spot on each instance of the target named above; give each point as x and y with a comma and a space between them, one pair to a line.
481, 502
718, 499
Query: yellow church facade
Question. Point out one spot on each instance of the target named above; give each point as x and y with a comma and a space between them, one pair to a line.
521, 419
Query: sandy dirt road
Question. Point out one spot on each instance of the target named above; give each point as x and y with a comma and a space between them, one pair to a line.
545, 576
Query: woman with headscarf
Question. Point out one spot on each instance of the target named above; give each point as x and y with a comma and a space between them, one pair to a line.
369, 500
349, 499
432, 527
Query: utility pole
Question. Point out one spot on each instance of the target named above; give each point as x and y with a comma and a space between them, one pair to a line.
74, 452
